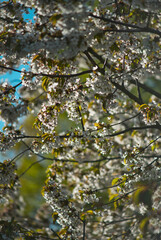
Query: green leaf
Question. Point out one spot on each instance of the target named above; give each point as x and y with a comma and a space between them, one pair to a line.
36, 57
143, 106
98, 125
114, 181
133, 133
90, 212
143, 195
45, 83
50, 63
144, 224
54, 216
113, 196
54, 18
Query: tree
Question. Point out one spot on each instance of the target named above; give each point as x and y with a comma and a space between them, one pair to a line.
97, 118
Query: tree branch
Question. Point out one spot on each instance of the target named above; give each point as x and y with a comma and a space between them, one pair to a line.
132, 129
50, 75
96, 55
108, 135
84, 229
149, 30
94, 63
113, 21
126, 92
146, 88
136, 28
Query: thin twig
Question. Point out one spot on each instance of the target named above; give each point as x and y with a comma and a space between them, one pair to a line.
81, 118
121, 220
115, 124
5, 5
157, 158
9, 89
113, 186
143, 149
146, 88
19, 155
84, 229
121, 197
132, 129
56, 234
30, 167
139, 93
116, 200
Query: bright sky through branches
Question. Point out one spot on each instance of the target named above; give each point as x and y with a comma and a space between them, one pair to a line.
14, 77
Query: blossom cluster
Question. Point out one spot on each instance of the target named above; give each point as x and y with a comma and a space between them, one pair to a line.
91, 65
59, 200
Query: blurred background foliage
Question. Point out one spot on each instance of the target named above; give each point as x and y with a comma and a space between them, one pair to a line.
33, 179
